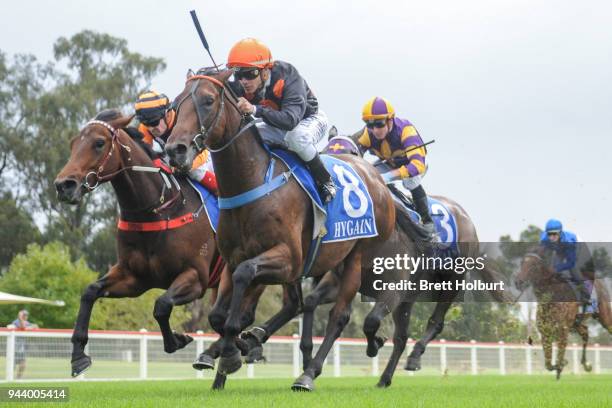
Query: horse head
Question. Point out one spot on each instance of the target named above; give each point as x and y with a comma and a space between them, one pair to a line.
534, 269
94, 154
202, 119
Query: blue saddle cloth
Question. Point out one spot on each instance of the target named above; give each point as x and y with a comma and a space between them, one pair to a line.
350, 215
446, 227
211, 205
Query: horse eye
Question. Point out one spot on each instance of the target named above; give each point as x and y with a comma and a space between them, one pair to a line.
208, 100
99, 143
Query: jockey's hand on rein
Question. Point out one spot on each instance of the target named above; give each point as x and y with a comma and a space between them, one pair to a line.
245, 106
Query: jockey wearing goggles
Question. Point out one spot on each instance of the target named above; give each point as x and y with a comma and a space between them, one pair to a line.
156, 122
275, 92
395, 140
565, 247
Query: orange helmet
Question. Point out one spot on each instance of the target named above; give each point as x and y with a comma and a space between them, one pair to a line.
249, 53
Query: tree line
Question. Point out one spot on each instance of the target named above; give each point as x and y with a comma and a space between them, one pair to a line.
52, 250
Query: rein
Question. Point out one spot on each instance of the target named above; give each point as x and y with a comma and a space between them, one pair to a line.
199, 139
169, 183
270, 183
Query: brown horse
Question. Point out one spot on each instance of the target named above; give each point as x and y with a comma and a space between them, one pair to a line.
265, 241
158, 248
557, 314
402, 241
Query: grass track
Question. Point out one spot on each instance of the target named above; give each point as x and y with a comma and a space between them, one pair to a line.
573, 391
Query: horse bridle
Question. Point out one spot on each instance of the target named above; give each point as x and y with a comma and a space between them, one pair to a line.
98, 174
200, 138
100, 178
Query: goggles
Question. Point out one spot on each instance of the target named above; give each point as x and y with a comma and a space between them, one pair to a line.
246, 73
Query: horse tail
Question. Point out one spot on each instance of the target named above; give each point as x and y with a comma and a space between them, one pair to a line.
406, 224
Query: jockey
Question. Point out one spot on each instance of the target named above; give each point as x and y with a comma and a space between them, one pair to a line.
156, 123
275, 92
565, 244
395, 141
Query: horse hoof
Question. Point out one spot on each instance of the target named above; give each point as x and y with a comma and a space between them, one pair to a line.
384, 383
80, 365
243, 346
255, 355
204, 362
219, 383
182, 340
379, 342
303, 383
413, 364
587, 367
231, 364
558, 375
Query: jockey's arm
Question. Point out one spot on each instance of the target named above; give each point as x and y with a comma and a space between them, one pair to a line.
414, 156
568, 261
293, 105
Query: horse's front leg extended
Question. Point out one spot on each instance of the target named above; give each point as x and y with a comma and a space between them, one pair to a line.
116, 283
275, 265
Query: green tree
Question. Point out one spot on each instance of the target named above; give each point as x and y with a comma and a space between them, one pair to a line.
18, 227
46, 272
43, 105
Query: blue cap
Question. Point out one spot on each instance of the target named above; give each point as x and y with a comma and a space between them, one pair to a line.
554, 225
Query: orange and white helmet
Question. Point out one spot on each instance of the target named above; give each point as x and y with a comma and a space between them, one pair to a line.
250, 53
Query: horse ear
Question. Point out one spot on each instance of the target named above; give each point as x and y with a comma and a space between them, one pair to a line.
121, 122
333, 131
224, 75
190, 73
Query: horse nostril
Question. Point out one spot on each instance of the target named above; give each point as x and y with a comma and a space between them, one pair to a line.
177, 149
65, 187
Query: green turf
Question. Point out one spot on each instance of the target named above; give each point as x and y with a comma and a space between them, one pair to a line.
591, 391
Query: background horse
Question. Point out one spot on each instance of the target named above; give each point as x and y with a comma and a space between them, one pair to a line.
557, 314
175, 255
267, 240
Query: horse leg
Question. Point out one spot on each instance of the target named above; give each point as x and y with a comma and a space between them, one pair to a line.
273, 265
338, 318
434, 327
114, 284
325, 292
583, 331
547, 348
216, 318
258, 335
561, 345
371, 325
184, 289
401, 320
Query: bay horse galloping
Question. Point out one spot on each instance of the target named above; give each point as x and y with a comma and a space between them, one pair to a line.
164, 239
265, 241
398, 304
558, 313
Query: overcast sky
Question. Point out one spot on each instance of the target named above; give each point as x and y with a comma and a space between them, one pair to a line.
517, 94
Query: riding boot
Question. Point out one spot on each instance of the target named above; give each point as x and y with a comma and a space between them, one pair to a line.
324, 181
422, 206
